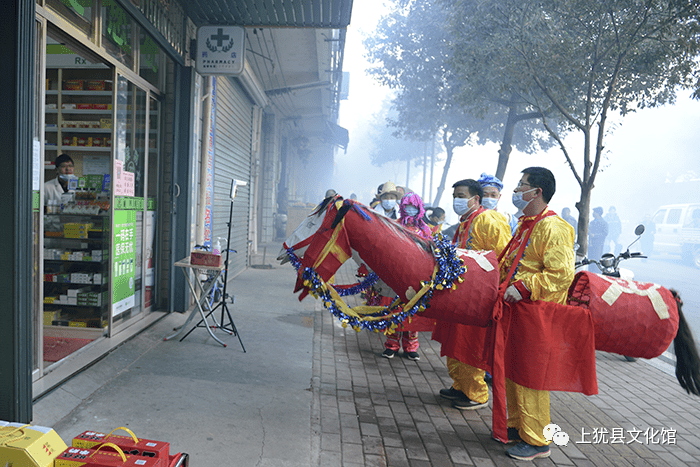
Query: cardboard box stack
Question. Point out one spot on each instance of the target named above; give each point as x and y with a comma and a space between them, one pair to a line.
29, 446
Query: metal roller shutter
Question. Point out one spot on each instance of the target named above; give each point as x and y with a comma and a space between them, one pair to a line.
232, 159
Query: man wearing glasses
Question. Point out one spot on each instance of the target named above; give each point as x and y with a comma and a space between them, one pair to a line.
53, 189
544, 243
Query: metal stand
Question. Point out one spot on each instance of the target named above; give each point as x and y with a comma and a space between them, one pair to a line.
226, 323
229, 327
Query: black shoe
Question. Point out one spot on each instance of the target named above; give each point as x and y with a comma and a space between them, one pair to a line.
388, 353
451, 394
488, 378
413, 356
468, 404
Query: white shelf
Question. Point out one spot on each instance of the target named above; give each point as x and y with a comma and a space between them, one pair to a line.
53, 147
79, 130
80, 111
79, 93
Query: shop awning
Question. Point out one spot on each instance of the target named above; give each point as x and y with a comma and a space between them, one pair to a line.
333, 14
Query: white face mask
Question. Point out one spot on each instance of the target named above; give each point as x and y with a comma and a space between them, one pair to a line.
461, 205
411, 210
489, 203
388, 204
518, 200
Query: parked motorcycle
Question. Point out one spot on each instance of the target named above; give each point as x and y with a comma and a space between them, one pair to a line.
609, 264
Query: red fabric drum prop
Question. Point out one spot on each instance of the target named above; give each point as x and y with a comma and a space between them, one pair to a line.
631, 318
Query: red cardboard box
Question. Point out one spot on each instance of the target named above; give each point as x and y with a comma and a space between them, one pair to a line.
106, 455
179, 460
204, 258
145, 448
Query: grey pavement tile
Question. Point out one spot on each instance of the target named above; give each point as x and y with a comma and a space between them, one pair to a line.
352, 453
330, 442
460, 455
372, 445
475, 449
416, 451
372, 460
367, 416
482, 462
419, 463
559, 458
347, 408
349, 421
387, 425
584, 463
672, 460
450, 438
330, 459
392, 440
369, 429
350, 435
396, 457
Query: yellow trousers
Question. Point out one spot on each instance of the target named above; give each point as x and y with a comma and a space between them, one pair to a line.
528, 411
469, 380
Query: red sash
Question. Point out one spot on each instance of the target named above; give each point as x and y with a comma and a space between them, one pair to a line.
464, 227
552, 346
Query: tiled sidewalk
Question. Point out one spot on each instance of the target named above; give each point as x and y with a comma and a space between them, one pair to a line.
370, 411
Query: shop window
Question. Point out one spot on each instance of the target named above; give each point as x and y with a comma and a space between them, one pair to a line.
118, 31
76, 238
151, 61
77, 12
131, 135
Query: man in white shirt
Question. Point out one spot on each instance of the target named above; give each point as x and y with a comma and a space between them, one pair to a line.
53, 189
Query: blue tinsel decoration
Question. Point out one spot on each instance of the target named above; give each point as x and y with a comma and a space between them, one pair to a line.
450, 269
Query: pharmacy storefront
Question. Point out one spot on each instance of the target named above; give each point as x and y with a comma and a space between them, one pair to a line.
102, 154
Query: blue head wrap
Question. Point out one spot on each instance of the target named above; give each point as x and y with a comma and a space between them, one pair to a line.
490, 180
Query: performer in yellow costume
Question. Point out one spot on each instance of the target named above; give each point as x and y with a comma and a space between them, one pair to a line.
544, 273
480, 229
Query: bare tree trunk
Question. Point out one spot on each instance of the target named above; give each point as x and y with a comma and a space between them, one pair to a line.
408, 172
449, 149
584, 208
425, 168
506, 144
432, 168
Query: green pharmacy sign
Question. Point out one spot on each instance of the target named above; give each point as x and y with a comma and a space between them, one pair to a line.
124, 261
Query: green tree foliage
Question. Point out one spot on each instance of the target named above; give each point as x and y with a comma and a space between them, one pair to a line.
577, 62
411, 51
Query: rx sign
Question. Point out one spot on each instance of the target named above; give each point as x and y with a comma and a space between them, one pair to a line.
220, 50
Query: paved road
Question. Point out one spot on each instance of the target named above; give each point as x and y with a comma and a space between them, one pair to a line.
673, 274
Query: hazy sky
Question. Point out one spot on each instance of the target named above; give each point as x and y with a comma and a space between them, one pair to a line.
646, 151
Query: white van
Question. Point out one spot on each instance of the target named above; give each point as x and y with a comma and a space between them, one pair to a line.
678, 231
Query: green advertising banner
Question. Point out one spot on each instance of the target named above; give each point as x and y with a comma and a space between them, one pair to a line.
124, 261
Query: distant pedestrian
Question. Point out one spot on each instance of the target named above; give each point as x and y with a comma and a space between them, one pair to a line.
614, 231
566, 215
597, 233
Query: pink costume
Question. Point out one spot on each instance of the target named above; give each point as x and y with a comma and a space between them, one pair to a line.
406, 335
